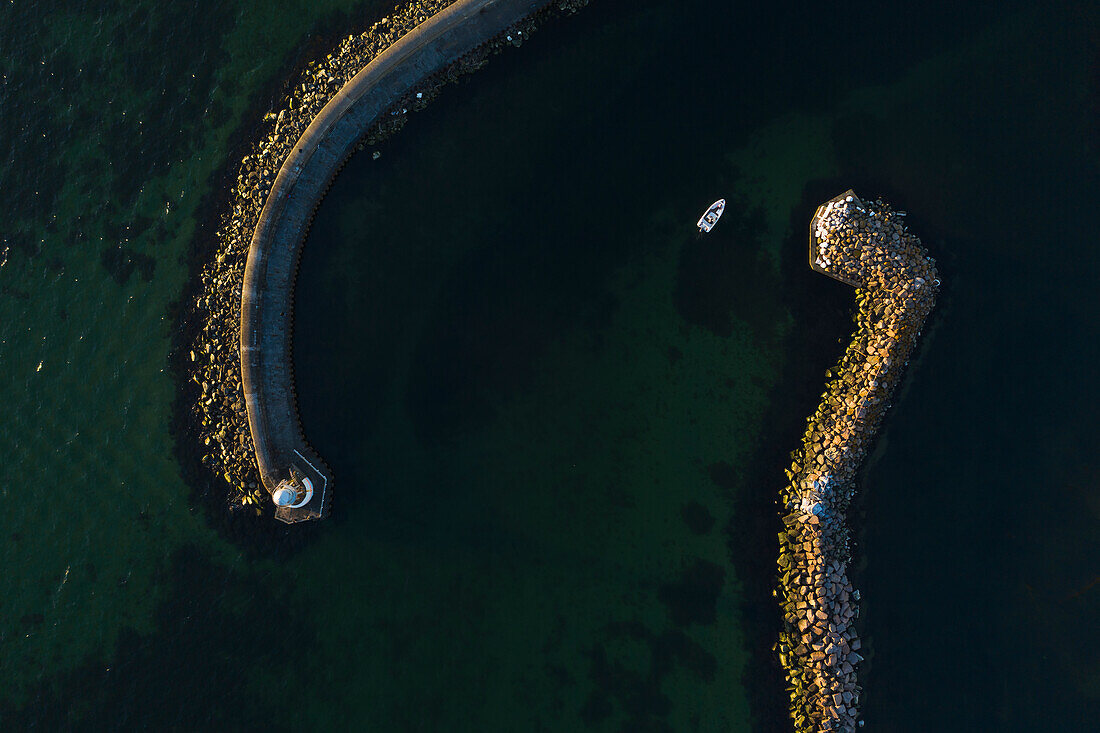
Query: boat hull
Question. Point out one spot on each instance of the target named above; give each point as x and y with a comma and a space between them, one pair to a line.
711, 216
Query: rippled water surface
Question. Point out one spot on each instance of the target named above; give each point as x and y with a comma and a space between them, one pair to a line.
558, 418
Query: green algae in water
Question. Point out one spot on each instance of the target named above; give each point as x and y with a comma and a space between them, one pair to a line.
118, 139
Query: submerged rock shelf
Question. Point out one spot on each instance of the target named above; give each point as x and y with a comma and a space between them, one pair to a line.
246, 412
865, 245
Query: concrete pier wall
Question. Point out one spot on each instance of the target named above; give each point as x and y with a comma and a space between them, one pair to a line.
866, 245
268, 289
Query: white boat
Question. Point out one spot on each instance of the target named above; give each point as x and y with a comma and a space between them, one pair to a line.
711, 216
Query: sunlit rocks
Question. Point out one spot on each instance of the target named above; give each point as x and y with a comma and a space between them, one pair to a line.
868, 246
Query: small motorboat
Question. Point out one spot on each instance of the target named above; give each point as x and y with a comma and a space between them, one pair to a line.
711, 216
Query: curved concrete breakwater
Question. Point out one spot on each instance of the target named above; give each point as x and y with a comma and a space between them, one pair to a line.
283, 458
867, 246
246, 412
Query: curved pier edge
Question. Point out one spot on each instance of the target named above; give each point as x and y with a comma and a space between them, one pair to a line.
282, 454
865, 245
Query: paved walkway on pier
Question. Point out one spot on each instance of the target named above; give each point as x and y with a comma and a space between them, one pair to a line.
268, 292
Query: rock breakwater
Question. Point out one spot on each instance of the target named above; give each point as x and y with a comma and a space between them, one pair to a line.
868, 246
216, 390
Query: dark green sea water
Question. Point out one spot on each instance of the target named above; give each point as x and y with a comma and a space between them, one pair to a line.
558, 418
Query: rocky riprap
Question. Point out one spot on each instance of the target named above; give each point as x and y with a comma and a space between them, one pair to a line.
218, 416
867, 246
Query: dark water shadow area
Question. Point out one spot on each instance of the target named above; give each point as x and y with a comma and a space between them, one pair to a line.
822, 311
443, 310
501, 304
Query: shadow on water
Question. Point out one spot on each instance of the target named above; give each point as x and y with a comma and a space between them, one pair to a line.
716, 280
821, 311
499, 309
